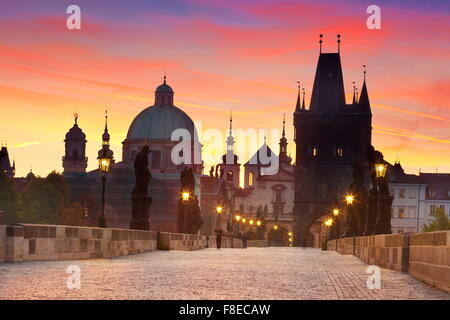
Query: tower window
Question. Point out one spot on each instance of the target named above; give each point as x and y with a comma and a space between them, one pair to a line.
230, 176
337, 151
313, 151
250, 179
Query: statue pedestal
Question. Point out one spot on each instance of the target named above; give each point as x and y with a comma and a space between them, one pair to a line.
140, 207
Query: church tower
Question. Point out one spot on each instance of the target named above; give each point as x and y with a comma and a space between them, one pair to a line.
230, 165
75, 160
5, 165
330, 137
105, 151
284, 158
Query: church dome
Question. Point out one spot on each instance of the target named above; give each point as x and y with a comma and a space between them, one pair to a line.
160, 120
158, 123
164, 88
75, 133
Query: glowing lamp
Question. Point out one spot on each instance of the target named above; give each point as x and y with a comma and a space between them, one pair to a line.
185, 196
380, 170
349, 199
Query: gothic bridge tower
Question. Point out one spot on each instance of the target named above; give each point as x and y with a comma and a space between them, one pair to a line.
329, 136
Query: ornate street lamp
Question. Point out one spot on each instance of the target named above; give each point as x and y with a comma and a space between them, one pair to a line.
258, 223
275, 227
219, 209
380, 170
104, 161
237, 218
384, 200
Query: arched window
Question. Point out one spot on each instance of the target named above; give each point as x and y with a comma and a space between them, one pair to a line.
230, 176
250, 179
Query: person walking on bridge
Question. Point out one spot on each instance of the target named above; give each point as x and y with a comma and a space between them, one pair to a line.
218, 237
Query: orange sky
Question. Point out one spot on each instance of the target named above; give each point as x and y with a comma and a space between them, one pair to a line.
240, 56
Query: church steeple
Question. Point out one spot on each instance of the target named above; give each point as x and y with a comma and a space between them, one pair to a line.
230, 164
230, 157
105, 136
284, 158
105, 151
74, 159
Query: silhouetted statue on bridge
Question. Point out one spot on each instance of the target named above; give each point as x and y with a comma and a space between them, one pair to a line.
140, 200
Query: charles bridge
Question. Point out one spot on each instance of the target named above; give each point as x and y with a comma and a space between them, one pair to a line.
133, 264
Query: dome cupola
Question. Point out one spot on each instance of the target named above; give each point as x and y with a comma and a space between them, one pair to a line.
164, 95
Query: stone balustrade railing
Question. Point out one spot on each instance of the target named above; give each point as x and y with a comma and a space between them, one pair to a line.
425, 256
28, 242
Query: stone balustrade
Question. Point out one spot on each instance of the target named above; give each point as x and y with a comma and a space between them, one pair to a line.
429, 258
28, 242
257, 243
425, 256
189, 242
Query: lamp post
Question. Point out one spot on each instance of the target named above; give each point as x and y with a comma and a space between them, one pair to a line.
219, 210
350, 229
103, 164
328, 222
336, 227
384, 200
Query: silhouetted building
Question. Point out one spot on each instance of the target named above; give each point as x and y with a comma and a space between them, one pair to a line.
74, 159
5, 164
157, 127
330, 136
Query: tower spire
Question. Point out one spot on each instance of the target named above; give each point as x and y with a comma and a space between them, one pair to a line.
339, 43
354, 92
164, 78
284, 158
303, 103
320, 43
230, 157
297, 106
105, 136
364, 104
75, 115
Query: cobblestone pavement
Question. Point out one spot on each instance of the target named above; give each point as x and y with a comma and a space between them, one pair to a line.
255, 273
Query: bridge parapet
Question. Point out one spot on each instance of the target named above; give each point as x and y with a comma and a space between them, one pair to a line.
425, 256
29, 242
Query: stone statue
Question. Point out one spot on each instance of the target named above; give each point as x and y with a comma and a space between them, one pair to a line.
187, 180
140, 200
143, 175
